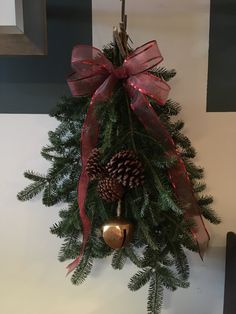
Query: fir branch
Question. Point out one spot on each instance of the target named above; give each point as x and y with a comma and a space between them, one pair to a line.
155, 295
189, 152
70, 248
97, 205
166, 260
140, 279
70, 108
177, 223
171, 108
130, 124
49, 195
136, 260
34, 176
144, 226
107, 137
31, 191
205, 200
189, 242
169, 279
178, 125
145, 203
118, 259
164, 74
158, 184
194, 171
58, 229
199, 187
166, 203
181, 261
99, 249
164, 163
83, 269
145, 140
148, 235
165, 200
181, 140
48, 149
69, 224
210, 215
59, 170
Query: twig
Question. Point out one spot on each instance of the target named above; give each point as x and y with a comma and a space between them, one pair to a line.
118, 42
131, 124
121, 37
123, 16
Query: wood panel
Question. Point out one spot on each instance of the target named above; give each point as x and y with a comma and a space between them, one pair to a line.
222, 62
33, 84
29, 35
230, 275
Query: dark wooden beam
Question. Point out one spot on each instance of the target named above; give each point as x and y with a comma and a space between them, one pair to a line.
221, 61
230, 275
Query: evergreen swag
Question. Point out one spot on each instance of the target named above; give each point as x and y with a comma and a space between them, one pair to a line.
161, 232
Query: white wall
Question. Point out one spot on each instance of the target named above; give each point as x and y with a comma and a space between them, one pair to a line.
32, 281
7, 12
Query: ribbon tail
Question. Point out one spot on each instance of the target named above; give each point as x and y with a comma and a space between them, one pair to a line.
178, 174
89, 138
184, 191
86, 224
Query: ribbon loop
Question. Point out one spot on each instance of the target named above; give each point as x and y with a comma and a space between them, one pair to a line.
143, 58
151, 86
89, 59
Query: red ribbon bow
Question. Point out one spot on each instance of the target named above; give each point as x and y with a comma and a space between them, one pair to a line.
95, 75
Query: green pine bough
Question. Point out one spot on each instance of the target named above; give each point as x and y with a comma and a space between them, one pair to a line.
161, 234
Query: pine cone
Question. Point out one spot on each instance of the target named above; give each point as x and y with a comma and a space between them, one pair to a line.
110, 189
126, 169
94, 169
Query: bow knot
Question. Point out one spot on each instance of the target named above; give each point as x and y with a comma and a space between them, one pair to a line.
96, 75
121, 72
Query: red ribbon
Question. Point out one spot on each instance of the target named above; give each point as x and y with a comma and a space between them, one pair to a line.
95, 75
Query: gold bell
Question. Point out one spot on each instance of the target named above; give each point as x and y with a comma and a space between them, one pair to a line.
117, 232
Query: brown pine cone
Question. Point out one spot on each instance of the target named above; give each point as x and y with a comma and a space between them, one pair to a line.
110, 189
94, 168
126, 168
